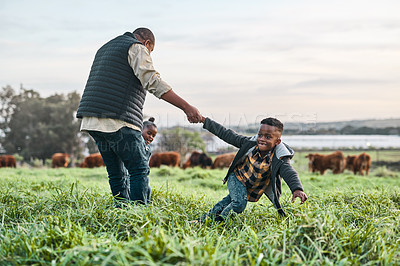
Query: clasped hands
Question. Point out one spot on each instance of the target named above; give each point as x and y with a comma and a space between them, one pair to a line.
193, 115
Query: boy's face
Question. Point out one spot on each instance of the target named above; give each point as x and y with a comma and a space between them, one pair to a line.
149, 133
268, 137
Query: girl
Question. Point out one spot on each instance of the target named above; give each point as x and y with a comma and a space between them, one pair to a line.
149, 132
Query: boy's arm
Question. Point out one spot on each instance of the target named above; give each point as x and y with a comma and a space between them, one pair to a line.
291, 177
223, 133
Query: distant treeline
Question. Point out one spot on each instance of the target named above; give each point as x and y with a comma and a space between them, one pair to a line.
36, 127
346, 130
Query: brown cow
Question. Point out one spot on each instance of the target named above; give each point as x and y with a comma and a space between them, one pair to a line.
60, 160
8, 161
198, 159
362, 163
92, 160
223, 160
334, 161
350, 162
170, 158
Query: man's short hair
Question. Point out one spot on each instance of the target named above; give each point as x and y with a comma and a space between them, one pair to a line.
273, 122
145, 34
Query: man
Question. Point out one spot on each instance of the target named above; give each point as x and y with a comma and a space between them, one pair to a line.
111, 109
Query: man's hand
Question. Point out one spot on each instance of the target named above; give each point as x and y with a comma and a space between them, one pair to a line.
193, 115
299, 194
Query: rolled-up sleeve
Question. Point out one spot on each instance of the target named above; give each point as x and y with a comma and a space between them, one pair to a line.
142, 65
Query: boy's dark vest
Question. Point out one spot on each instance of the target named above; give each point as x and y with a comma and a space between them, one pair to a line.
112, 89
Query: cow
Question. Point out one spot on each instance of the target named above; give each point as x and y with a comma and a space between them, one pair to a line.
8, 161
350, 162
223, 160
319, 162
198, 159
60, 160
362, 163
170, 158
92, 160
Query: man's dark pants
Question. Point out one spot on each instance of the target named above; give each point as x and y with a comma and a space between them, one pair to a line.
125, 148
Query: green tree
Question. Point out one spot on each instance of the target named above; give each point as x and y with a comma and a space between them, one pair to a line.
181, 140
37, 127
6, 107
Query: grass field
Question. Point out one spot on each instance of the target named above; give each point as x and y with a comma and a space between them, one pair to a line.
66, 216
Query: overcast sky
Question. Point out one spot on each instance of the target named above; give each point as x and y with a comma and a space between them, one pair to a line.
237, 61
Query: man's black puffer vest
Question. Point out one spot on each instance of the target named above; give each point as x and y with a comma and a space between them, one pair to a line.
112, 89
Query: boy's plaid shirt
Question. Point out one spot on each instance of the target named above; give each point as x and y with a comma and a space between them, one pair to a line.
255, 173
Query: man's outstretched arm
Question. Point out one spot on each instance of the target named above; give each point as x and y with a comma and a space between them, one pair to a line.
193, 115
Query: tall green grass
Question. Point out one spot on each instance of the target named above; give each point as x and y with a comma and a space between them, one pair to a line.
66, 216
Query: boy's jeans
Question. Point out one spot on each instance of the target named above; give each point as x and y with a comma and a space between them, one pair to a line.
125, 147
235, 201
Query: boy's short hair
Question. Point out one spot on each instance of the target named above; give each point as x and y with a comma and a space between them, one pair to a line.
273, 122
145, 34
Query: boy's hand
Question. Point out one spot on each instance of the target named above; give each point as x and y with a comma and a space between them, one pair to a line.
299, 194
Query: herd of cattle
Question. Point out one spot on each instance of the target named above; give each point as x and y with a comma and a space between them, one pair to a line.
336, 161
91, 161
156, 160
196, 159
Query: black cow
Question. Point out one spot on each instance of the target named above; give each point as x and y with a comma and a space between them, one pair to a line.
198, 159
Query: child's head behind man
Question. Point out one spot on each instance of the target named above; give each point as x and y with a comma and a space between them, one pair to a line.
269, 134
149, 131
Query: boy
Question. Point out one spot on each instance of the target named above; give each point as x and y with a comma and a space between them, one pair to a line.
256, 169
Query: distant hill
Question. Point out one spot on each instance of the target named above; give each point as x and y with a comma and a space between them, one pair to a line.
368, 127
373, 123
